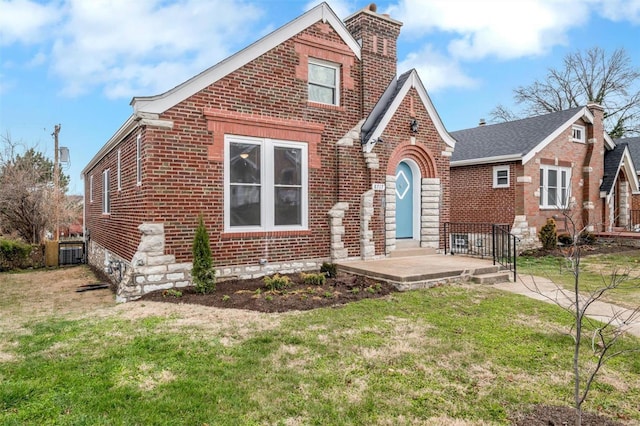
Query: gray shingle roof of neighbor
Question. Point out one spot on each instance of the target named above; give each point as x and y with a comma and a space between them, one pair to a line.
513, 138
612, 161
634, 148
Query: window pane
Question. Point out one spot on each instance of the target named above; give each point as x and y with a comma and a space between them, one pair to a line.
551, 192
244, 163
288, 208
321, 94
325, 76
245, 205
287, 166
553, 178
542, 187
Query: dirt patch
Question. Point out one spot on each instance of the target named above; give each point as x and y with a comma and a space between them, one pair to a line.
253, 294
547, 415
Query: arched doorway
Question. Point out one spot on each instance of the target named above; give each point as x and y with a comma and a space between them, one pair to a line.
407, 200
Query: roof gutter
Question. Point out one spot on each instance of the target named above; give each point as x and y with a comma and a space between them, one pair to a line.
487, 160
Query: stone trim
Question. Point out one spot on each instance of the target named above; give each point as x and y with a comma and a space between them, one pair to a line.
367, 246
390, 214
430, 213
527, 235
336, 214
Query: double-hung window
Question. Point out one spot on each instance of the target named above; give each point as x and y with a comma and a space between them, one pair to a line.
324, 82
106, 196
265, 184
555, 187
501, 176
578, 133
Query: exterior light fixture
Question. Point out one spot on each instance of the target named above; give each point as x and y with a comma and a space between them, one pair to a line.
244, 155
414, 125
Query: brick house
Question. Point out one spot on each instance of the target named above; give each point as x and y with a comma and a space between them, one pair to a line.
525, 171
633, 146
302, 148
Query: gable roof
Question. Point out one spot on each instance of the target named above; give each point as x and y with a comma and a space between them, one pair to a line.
160, 103
614, 160
513, 140
388, 104
146, 109
634, 149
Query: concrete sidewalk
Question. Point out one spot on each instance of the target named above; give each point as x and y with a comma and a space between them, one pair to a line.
544, 289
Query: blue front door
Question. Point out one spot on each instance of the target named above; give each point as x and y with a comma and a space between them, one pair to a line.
404, 201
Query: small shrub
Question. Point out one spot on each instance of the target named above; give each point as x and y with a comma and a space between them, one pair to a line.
328, 294
548, 236
313, 279
277, 282
329, 269
268, 298
13, 254
587, 237
172, 293
565, 239
203, 272
226, 298
355, 290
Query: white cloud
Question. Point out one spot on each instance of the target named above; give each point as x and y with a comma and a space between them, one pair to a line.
436, 71
147, 46
25, 21
503, 29
620, 10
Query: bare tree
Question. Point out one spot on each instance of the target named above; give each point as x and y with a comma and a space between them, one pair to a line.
26, 191
603, 333
592, 76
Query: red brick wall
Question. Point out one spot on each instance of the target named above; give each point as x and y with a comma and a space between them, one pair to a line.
379, 56
566, 153
182, 178
473, 198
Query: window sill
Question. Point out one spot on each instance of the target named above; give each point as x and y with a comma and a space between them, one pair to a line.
229, 235
326, 106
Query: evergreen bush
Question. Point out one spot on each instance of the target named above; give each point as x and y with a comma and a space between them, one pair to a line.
548, 235
203, 272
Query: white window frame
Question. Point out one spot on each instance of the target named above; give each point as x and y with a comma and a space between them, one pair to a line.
336, 86
581, 135
496, 171
139, 160
119, 176
91, 188
106, 192
543, 200
267, 184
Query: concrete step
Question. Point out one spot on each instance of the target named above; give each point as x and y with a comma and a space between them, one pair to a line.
417, 251
492, 277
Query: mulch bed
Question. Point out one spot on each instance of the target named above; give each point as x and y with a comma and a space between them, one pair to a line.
548, 415
252, 294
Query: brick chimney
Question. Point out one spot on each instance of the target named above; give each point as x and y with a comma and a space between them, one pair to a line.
378, 35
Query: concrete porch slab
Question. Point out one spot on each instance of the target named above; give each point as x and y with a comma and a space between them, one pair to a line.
414, 272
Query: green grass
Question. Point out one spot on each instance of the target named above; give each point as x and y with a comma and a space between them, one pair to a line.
595, 272
469, 354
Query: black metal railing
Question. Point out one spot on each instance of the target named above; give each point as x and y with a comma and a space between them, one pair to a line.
484, 240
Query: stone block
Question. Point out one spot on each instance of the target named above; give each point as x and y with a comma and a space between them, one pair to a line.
155, 287
154, 278
164, 259
175, 276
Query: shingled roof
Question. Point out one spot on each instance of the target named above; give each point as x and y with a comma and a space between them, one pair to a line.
612, 160
634, 148
512, 140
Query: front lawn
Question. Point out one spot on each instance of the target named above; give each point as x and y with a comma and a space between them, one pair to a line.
595, 272
451, 355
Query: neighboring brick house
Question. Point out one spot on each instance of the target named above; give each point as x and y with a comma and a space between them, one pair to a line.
289, 149
525, 171
633, 145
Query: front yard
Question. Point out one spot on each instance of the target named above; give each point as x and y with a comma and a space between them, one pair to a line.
453, 355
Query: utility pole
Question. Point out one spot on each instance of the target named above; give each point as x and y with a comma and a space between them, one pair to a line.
56, 181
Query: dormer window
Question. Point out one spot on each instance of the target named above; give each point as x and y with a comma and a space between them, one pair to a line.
324, 82
578, 133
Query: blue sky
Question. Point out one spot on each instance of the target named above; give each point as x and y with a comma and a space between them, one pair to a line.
79, 62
